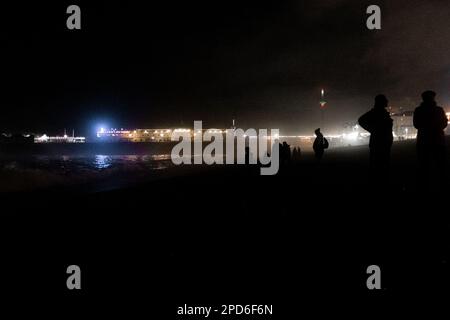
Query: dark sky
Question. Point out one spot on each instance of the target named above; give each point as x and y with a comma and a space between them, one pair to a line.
169, 63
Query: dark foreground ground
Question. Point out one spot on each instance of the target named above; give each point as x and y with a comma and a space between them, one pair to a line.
301, 241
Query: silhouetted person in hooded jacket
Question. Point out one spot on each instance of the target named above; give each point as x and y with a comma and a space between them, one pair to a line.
430, 122
320, 144
379, 123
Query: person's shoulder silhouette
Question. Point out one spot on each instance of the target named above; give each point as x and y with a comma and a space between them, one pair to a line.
378, 117
430, 120
379, 123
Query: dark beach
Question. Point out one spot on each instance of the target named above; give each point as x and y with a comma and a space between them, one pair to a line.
198, 232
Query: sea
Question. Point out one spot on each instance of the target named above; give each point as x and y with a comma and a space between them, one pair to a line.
96, 172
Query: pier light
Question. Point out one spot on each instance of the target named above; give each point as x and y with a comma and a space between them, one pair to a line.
44, 137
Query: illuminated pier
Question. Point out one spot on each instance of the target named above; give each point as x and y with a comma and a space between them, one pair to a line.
59, 139
147, 135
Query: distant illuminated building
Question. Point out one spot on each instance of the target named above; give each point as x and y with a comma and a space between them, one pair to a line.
403, 126
59, 139
150, 135
137, 135
353, 134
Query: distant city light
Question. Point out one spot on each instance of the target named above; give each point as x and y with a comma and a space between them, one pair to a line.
322, 101
44, 137
353, 136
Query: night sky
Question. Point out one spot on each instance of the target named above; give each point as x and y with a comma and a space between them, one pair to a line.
263, 63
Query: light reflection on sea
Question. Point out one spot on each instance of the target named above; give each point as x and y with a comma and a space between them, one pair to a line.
75, 164
85, 173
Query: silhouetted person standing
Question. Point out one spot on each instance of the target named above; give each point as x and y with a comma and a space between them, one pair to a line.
299, 153
379, 123
285, 153
320, 144
296, 154
430, 121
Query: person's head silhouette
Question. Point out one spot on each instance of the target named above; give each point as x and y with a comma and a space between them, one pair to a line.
317, 132
381, 101
428, 96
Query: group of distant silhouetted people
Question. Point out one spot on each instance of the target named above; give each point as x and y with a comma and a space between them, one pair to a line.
430, 121
319, 146
286, 155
